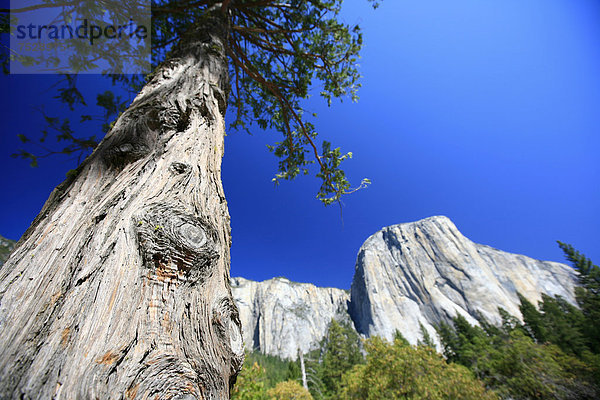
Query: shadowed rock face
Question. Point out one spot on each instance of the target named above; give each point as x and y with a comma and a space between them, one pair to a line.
407, 275
280, 316
426, 272
6, 247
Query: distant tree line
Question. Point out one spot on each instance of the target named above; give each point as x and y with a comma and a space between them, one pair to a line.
553, 353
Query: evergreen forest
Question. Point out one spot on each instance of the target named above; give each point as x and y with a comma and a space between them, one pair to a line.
551, 353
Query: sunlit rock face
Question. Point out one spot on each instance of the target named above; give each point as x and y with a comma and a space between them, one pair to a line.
407, 276
280, 317
418, 274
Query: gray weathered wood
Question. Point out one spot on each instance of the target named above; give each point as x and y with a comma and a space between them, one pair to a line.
120, 288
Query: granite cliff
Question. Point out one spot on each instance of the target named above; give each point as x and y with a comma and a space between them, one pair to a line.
280, 316
425, 272
406, 276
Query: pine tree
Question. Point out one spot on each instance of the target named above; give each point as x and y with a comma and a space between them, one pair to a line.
341, 353
587, 294
516, 367
532, 319
563, 324
449, 339
427, 339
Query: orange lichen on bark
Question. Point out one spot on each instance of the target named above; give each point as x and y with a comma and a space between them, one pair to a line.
55, 297
132, 391
108, 358
64, 336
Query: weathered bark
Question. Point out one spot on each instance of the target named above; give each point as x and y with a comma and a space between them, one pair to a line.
120, 288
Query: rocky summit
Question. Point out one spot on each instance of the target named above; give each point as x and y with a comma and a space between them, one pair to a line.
408, 277
419, 274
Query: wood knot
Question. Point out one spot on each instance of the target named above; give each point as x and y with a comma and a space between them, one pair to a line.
192, 235
179, 168
227, 325
176, 247
133, 137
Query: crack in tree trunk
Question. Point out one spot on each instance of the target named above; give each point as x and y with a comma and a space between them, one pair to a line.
120, 288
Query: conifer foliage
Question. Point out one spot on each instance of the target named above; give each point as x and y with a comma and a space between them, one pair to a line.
339, 371
587, 294
551, 354
341, 353
276, 53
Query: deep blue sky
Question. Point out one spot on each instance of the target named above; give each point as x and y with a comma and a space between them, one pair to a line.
486, 112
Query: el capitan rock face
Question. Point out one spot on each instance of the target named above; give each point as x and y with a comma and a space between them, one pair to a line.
425, 272
407, 276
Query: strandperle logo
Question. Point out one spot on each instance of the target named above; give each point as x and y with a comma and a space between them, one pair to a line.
83, 31
93, 37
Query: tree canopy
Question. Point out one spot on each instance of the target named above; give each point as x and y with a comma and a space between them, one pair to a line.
341, 351
278, 55
400, 371
288, 390
537, 359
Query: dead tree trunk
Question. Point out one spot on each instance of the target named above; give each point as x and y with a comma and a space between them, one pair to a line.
302, 369
120, 288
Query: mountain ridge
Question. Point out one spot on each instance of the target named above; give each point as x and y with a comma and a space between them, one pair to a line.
408, 277
443, 274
